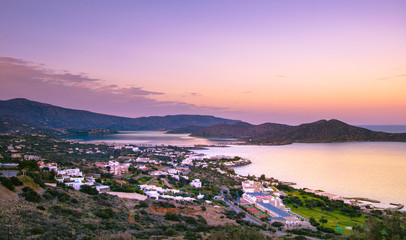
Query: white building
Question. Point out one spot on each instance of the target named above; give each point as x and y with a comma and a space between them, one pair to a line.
70, 172
117, 168
252, 186
196, 183
103, 188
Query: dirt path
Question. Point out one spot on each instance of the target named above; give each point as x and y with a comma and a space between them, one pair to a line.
166, 183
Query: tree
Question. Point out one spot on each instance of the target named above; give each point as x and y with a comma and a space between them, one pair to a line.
89, 190
29, 166
277, 224
171, 216
323, 220
30, 195
170, 232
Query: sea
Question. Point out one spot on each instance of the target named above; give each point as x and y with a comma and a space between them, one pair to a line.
374, 170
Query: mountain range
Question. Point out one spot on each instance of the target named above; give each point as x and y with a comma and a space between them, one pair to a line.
22, 116
45, 115
316, 132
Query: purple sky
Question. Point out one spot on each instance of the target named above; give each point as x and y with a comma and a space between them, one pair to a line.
258, 61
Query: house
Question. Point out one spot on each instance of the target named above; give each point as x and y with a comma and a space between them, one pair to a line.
16, 155
196, 183
172, 171
158, 173
183, 169
78, 182
102, 188
117, 168
70, 172
152, 194
218, 198
252, 198
250, 186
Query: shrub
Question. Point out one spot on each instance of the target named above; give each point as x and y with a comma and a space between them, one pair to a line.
141, 204
191, 235
37, 231
202, 219
62, 196
41, 208
30, 195
277, 224
170, 232
170, 216
190, 220
7, 183
89, 190
16, 181
105, 213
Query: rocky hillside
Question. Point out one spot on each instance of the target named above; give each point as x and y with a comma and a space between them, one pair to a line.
322, 131
46, 115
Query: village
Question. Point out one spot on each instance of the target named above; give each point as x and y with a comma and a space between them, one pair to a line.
174, 175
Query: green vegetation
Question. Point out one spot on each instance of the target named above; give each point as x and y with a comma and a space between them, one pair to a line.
329, 213
89, 190
391, 226
237, 233
44, 212
30, 195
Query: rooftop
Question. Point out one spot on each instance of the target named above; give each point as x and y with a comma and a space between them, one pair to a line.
258, 194
275, 209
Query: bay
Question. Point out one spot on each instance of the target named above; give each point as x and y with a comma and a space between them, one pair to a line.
375, 170
151, 138
386, 128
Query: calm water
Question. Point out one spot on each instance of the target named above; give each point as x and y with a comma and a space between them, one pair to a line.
152, 138
386, 128
372, 169
376, 170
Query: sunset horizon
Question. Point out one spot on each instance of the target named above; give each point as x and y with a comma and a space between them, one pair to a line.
264, 62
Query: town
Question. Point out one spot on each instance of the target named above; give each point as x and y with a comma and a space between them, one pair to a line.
175, 175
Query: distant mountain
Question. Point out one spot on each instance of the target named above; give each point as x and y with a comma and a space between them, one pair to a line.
187, 129
14, 126
240, 130
322, 131
46, 115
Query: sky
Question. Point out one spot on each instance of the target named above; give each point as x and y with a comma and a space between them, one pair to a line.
286, 61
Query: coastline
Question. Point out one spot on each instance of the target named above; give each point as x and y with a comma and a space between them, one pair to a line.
227, 148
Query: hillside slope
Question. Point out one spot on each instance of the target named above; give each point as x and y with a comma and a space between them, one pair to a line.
322, 131
240, 130
46, 115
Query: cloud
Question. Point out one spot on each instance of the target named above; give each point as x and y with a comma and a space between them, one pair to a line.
20, 78
195, 94
391, 77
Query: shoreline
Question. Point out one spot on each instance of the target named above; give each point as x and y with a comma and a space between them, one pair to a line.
376, 203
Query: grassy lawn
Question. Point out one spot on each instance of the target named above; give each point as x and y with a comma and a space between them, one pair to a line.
333, 218
144, 179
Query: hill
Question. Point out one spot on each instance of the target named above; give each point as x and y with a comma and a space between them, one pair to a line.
240, 130
46, 115
187, 129
14, 126
322, 131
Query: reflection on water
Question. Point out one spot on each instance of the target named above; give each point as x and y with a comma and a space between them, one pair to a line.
371, 169
152, 138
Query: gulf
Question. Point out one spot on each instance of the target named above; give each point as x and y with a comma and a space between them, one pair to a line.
374, 170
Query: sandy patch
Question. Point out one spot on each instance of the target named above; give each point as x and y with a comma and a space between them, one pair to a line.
136, 196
